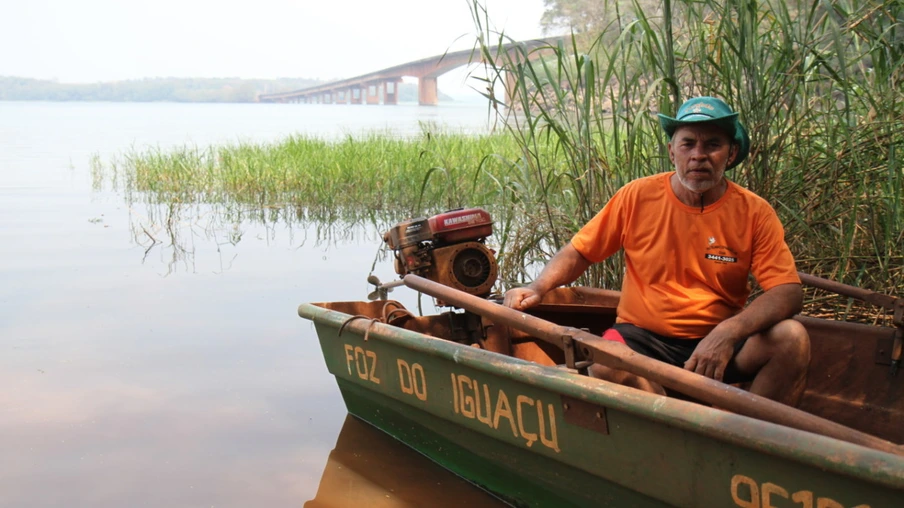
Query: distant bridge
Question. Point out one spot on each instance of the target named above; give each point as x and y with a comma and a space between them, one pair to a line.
382, 87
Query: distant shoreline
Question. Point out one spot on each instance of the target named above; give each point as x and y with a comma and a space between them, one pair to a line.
180, 90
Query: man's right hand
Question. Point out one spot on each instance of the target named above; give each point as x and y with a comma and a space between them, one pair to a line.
521, 298
564, 268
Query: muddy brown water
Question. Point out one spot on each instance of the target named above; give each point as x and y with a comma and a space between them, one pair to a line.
178, 373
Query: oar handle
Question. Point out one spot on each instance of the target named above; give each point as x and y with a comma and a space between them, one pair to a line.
619, 356
885, 301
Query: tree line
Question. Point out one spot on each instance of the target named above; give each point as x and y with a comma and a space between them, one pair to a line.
162, 89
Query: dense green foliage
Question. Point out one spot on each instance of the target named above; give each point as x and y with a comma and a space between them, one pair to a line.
591, 17
818, 84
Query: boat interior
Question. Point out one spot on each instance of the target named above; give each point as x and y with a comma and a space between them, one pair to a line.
852, 380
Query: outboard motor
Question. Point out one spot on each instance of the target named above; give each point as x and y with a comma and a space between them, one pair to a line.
447, 248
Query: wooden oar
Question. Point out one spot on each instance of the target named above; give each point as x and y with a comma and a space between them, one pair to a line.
896, 305
878, 299
619, 356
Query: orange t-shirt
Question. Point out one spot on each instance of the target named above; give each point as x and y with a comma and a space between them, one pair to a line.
687, 270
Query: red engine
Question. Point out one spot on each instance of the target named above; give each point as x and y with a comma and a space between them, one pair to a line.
447, 248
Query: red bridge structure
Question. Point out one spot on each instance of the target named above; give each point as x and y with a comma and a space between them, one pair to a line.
382, 87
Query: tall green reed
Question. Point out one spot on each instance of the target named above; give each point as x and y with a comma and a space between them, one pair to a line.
818, 85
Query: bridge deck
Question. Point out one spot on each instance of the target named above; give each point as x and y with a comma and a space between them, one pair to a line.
379, 85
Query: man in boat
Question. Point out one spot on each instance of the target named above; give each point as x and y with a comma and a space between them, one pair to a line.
691, 238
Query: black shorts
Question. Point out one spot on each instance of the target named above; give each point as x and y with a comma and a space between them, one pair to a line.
671, 350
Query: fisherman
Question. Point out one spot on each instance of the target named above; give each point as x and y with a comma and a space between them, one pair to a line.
691, 238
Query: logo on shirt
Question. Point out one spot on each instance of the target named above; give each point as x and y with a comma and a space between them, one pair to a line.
721, 259
721, 254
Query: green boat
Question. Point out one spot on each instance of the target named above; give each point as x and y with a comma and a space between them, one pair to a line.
501, 398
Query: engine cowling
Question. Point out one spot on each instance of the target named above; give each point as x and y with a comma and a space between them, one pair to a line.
448, 248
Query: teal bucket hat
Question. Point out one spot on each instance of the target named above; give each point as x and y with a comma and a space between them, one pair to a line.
710, 109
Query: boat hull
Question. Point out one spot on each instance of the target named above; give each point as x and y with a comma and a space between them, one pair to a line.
535, 435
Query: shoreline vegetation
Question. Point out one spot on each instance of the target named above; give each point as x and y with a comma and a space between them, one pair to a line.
166, 89
817, 83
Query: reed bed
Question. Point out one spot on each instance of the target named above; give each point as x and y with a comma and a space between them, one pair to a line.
351, 176
818, 85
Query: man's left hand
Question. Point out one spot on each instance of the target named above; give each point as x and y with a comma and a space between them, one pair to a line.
712, 355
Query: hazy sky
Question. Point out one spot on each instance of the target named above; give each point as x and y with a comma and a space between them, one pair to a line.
105, 40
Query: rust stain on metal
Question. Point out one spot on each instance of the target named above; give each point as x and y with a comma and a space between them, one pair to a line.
884, 347
584, 414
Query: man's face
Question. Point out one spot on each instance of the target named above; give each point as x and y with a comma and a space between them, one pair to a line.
701, 153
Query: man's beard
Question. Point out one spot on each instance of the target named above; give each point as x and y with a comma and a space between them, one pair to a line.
697, 186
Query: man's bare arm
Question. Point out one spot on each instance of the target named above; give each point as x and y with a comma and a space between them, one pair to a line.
564, 268
715, 350
774, 305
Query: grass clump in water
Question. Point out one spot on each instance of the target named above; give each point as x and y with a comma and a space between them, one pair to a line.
354, 174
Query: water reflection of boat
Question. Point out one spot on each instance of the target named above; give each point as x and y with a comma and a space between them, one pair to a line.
367, 468
539, 434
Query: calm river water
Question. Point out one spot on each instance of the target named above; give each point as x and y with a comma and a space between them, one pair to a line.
178, 373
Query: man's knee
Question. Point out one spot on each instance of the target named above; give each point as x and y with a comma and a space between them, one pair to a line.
790, 339
783, 355
786, 344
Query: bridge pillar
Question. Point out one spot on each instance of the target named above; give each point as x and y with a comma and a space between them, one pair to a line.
354, 95
427, 92
391, 91
373, 93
